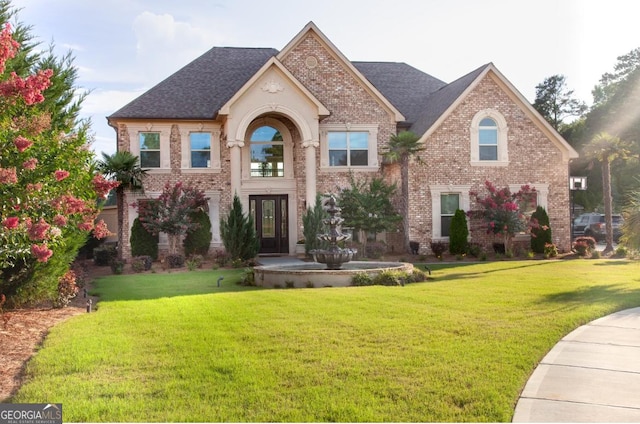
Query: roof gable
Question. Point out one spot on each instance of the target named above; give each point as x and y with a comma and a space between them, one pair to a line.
312, 29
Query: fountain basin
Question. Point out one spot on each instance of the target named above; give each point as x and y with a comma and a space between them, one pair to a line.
313, 274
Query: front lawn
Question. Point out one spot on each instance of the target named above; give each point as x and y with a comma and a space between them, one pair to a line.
175, 347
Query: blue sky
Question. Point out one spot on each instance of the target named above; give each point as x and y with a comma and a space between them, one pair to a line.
124, 47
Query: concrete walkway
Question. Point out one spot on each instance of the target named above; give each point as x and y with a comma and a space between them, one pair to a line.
591, 375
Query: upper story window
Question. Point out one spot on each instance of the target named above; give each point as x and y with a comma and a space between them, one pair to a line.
150, 150
267, 152
348, 148
489, 139
200, 145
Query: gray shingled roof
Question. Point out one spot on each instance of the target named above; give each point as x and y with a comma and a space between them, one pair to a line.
202, 87
439, 101
404, 86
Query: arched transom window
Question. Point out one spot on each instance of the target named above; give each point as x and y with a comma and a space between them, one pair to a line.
267, 152
489, 139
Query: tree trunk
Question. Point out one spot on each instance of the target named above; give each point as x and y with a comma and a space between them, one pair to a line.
404, 203
121, 209
608, 218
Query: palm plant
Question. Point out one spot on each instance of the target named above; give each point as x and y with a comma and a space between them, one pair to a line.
401, 148
123, 167
605, 148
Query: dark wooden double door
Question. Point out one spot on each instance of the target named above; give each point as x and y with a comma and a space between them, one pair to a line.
270, 214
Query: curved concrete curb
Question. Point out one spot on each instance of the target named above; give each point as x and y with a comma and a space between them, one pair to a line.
591, 375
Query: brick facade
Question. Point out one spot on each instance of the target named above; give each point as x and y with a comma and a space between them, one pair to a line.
533, 157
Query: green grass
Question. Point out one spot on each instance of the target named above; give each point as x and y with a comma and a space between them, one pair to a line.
175, 347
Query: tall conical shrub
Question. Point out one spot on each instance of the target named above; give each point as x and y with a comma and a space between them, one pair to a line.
198, 240
313, 225
238, 233
541, 233
458, 233
143, 243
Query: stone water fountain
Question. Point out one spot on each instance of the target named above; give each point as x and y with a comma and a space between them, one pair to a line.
334, 256
332, 267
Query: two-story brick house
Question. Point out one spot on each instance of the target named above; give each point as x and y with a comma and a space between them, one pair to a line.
278, 127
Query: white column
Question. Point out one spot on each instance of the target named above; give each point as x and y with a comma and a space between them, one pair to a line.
236, 165
310, 165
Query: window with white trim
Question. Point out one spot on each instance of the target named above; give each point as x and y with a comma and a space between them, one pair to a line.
449, 203
445, 200
149, 149
489, 139
348, 146
200, 147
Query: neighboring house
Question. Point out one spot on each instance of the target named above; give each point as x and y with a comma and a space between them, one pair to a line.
278, 127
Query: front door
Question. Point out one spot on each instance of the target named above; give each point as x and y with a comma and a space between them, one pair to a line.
271, 219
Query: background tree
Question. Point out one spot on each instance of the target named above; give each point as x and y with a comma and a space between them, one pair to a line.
459, 233
606, 148
171, 212
367, 208
238, 233
123, 168
401, 148
555, 101
631, 225
540, 230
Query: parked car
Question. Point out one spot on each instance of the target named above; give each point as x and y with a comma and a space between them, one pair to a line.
593, 225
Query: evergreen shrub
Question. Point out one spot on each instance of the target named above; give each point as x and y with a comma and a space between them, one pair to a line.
458, 234
143, 243
540, 233
198, 240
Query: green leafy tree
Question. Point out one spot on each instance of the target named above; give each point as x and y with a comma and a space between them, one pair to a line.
171, 212
459, 233
123, 168
540, 230
198, 240
143, 243
402, 147
631, 225
238, 233
606, 149
366, 206
313, 225
555, 101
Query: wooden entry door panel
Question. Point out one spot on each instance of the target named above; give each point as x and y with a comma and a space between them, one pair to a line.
270, 215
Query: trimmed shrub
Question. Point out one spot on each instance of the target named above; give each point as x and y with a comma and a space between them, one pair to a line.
541, 232
375, 249
438, 248
458, 233
238, 233
174, 261
361, 279
104, 255
143, 243
141, 263
312, 226
197, 241
584, 245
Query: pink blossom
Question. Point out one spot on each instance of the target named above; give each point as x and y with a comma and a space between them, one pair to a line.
86, 225
30, 164
8, 46
61, 174
39, 230
102, 186
34, 187
11, 222
22, 143
29, 89
41, 252
8, 176
60, 220
100, 230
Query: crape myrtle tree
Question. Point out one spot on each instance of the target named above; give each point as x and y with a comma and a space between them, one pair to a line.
502, 211
171, 213
48, 186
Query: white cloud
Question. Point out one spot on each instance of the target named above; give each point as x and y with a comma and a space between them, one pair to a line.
105, 102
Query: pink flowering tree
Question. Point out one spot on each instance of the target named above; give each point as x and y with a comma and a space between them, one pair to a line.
48, 189
503, 211
171, 212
